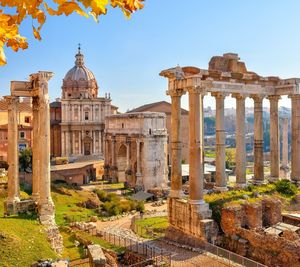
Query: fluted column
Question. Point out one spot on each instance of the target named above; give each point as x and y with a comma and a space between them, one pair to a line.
274, 137
128, 148
195, 150
176, 143
113, 152
99, 143
258, 140
13, 189
285, 142
240, 159
221, 183
67, 143
295, 160
35, 150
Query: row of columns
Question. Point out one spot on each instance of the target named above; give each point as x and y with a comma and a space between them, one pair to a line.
69, 144
196, 145
41, 159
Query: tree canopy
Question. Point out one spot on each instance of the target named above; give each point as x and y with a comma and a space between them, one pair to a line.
14, 12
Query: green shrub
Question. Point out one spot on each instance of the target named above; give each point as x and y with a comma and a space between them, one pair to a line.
286, 188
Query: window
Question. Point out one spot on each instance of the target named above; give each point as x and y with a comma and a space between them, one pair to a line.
27, 119
86, 116
22, 135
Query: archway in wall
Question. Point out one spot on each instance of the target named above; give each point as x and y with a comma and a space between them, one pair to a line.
121, 163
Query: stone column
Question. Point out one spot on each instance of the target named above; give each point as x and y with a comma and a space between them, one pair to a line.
195, 151
13, 188
63, 143
73, 143
128, 147
176, 144
285, 142
94, 142
240, 159
258, 140
274, 137
99, 142
35, 150
295, 160
79, 143
221, 183
138, 174
68, 151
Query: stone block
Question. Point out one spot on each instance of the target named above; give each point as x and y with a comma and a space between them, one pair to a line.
96, 256
271, 211
253, 215
232, 217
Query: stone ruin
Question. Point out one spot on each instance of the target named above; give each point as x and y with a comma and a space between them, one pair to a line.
226, 75
37, 89
256, 231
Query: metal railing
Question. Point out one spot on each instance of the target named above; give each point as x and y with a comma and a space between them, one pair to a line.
229, 257
156, 255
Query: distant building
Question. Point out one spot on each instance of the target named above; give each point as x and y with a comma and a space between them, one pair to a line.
165, 107
25, 126
77, 120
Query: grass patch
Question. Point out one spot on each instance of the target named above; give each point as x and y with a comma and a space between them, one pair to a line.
152, 228
22, 240
66, 206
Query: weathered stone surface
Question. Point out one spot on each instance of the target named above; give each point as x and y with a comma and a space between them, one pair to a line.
190, 219
271, 211
96, 256
232, 217
253, 215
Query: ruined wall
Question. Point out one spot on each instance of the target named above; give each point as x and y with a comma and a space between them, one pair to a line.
189, 222
244, 234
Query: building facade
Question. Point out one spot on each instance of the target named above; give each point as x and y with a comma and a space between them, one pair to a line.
165, 107
83, 112
136, 149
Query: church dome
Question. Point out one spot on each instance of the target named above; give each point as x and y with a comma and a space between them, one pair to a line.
79, 71
79, 82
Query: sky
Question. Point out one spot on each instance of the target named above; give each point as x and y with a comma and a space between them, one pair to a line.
126, 56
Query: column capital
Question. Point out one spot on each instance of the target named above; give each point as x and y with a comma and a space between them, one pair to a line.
220, 95
239, 96
274, 97
294, 96
176, 92
11, 101
257, 98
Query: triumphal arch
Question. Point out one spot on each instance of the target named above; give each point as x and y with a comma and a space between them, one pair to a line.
37, 89
226, 75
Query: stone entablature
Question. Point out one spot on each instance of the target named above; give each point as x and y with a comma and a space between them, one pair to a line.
136, 149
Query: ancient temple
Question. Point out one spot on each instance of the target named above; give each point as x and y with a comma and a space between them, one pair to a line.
83, 112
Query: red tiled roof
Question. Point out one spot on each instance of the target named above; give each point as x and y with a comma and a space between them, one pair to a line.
22, 106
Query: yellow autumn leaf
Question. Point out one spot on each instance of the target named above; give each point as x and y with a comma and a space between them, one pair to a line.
14, 12
2, 56
36, 33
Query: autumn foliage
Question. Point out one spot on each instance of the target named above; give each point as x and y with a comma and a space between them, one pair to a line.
14, 12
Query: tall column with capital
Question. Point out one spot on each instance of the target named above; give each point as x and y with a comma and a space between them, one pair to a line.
67, 143
63, 143
221, 183
35, 149
240, 159
258, 140
295, 160
195, 150
13, 189
285, 142
94, 142
45, 203
274, 137
113, 168
176, 144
